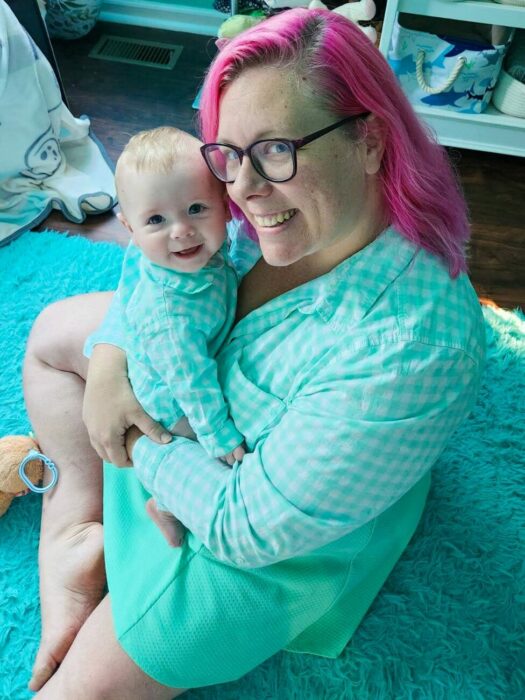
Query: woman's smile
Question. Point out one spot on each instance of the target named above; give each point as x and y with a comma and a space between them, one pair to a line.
326, 211
273, 220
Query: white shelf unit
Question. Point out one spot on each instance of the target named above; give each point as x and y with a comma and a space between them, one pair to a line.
491, 130
174, 16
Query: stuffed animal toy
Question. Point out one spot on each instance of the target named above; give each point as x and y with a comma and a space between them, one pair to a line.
13, 451
361, 11
238, 23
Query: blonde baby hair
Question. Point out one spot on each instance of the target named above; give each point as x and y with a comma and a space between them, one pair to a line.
157, 150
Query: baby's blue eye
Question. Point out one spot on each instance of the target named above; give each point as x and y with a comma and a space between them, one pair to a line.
196, 208
155, 219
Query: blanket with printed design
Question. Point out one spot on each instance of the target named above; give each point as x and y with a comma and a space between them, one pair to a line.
48, 158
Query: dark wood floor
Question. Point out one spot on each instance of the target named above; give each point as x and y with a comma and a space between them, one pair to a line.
121, 99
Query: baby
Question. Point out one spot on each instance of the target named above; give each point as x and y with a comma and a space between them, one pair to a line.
179, 313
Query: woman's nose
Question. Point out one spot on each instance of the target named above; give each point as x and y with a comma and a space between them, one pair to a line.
248, 183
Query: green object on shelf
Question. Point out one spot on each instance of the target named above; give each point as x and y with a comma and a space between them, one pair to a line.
233, 26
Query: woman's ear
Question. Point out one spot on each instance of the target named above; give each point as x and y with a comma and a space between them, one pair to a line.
374, 143
227, 208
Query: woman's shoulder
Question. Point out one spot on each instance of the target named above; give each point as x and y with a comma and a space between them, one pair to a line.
434, 307
396, 292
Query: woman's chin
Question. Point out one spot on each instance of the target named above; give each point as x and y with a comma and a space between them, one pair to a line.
279, 252
279, 255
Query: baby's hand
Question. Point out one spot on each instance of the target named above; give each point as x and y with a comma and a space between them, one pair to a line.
235, 455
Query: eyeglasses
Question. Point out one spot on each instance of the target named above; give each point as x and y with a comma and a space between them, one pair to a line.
273, 159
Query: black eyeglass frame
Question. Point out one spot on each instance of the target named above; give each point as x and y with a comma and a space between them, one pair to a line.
293, 144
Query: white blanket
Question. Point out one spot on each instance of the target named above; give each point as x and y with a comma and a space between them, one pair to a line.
48, 158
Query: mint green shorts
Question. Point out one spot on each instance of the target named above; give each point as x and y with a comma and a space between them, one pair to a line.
189, 620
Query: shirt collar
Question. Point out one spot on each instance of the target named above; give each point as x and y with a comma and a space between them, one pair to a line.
348, 291
351, 288
185, 282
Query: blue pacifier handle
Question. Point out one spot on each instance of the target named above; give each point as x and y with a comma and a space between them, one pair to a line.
31, 455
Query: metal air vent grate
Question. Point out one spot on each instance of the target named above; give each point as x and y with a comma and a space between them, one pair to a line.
137, 51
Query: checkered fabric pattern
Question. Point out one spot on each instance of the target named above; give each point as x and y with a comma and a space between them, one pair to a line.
174, 324
346, 389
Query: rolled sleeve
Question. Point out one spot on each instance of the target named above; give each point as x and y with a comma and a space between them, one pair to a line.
222, 440
110, 331
345, 449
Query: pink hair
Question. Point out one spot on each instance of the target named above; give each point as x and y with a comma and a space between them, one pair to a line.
421, 193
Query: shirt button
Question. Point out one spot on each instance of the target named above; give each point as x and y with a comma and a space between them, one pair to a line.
209, 278
240, 560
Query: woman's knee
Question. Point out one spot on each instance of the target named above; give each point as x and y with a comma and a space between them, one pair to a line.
52, 339
60, 330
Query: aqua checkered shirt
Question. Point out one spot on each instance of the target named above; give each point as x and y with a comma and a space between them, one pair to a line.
346, 388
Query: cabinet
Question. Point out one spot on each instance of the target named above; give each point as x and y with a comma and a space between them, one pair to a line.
491, 130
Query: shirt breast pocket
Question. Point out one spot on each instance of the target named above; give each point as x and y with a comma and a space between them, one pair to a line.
253, 410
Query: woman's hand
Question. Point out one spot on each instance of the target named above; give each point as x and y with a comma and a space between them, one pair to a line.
110, 407
132, 436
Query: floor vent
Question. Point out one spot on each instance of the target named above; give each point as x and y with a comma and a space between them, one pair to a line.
137, 51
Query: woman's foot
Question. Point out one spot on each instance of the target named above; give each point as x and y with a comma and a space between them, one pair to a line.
72, 583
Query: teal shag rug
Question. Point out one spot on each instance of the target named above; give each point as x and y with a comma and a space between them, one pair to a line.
450, 621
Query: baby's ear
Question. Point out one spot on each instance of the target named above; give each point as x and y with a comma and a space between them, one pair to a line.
124, 221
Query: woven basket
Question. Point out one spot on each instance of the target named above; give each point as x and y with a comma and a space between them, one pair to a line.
509, 95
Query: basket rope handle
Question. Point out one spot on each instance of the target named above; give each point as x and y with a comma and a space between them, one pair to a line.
439, 88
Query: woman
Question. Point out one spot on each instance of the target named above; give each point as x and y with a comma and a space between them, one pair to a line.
358, 350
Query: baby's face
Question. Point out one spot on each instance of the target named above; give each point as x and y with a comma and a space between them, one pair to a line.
178, 220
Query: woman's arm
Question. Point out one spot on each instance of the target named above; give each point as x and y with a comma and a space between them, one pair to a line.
110, 407
343, 452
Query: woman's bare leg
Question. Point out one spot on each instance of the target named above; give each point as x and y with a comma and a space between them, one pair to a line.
96, 668
72, 576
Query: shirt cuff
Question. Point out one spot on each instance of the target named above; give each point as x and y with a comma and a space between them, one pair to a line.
91, 341
175, 473
109, 332
146, 460
222, 441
